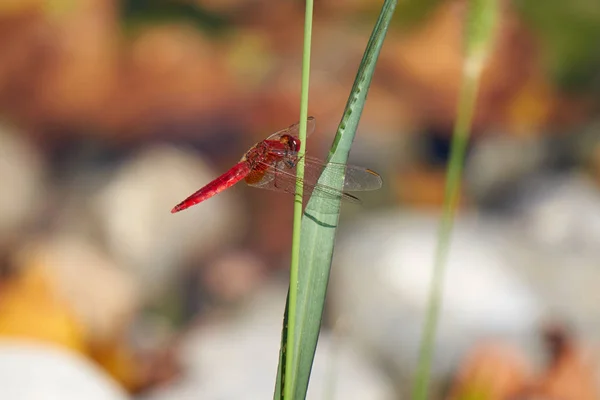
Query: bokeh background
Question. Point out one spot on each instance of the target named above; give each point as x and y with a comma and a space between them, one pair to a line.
112, 111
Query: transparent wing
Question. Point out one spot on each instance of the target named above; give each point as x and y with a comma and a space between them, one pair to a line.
356, 179
280, 178
293, 129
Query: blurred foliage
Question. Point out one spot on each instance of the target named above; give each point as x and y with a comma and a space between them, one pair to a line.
412, 13
409, 14
147, 12
569, 33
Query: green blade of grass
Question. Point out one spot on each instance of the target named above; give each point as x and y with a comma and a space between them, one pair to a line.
279, 393
290, 317
317, 234
479, 30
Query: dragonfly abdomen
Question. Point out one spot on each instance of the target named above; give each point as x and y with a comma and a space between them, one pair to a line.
228, 179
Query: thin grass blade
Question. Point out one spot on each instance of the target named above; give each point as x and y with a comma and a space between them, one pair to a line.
479, 31
320, 220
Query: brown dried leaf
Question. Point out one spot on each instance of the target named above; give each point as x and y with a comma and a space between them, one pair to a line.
491, 372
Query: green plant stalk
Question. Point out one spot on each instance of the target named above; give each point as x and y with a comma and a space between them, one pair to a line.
480, 24
289, 375
321, 216
319, 223
459, 144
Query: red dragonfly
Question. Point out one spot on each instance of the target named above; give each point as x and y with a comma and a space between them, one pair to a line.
271, 164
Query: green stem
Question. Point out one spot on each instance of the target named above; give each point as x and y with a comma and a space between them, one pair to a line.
479, 33
291, 356
460, 139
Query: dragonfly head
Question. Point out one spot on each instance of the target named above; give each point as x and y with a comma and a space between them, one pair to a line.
291, 142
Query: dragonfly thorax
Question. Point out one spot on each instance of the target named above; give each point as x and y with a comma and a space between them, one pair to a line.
258, 153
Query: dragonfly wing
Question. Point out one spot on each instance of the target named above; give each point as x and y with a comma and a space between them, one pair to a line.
281, 178
293, 130
361, 179
356, 179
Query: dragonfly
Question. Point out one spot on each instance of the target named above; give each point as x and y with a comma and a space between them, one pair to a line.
271, 164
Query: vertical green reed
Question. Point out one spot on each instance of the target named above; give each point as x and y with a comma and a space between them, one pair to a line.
289, 377
479, 32
314, 240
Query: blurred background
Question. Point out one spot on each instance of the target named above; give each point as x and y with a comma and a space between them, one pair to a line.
113, 111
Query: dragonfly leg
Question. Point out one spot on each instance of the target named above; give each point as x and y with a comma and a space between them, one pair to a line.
275, 180
290, 161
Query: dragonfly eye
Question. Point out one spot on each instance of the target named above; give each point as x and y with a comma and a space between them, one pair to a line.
293, 143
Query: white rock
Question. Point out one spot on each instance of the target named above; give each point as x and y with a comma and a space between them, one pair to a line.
560, 215
381, 277
30, 371
237, 359
558, 230
134, 215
